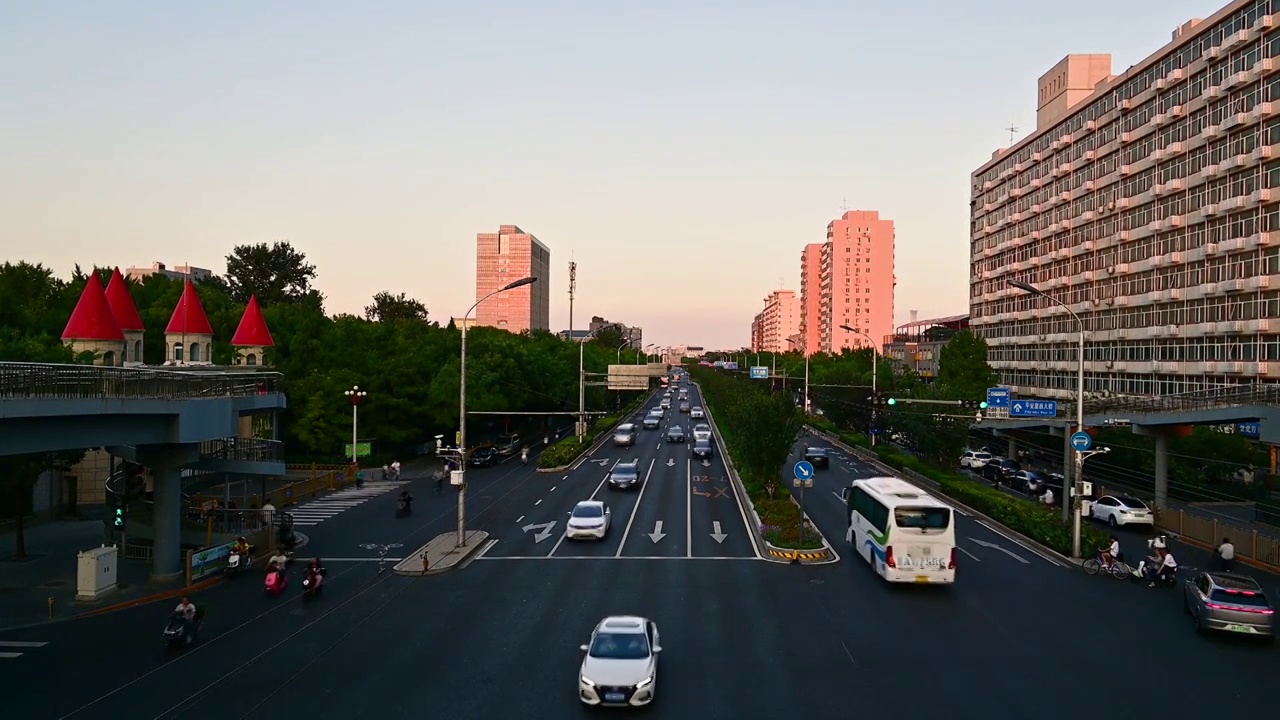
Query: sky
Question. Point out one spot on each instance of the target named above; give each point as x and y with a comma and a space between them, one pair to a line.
681, 152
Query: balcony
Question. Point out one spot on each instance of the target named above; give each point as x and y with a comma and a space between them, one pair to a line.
1172, 77
1264, 152
1169, 151
1261, 110
1126, 170
1261, 196
1228, 286
1258, 282
1262, 240
1232, 121
1233, 40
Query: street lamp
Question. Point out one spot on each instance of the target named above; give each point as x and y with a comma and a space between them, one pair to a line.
1073, 504
356, 395
806, 374
462, 408
645, 352
875, 374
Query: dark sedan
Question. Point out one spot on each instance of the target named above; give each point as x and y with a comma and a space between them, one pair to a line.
702, 448
817, 457
675, 434
624, 475
482, 457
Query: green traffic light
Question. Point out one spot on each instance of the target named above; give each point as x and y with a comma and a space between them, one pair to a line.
983, 405
119, 522
893, 401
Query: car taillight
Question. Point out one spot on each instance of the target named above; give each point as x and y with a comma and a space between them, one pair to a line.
888, 557
952, 565
1238, 608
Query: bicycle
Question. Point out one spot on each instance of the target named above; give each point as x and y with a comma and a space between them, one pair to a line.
1119, 568
382, 553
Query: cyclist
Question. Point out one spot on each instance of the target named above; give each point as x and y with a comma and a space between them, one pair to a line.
1111, 553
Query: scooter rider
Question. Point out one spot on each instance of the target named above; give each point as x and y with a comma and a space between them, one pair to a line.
315, 571
1168, 566
405, 500
524, 455
186, 611
277, 562
241, 547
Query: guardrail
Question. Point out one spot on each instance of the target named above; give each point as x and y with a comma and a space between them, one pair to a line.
283, 496
35, 381
246, 449
1253, 394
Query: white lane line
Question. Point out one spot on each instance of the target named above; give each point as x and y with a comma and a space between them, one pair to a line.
840, 499
1038, 553
347, 560
845, 469
15, 644
9, 655
636, 509
688, 516
566, 477
539, 502
553, 488
520, 518
564, 534
966, 552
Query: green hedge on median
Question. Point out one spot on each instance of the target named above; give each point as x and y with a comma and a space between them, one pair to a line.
566, 451
1038, 522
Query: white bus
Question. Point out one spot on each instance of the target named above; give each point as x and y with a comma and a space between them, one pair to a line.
904, 533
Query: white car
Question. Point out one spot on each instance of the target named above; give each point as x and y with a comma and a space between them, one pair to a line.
701, 431
1118, 511
620, 664
975, 459
697, 413
589, 520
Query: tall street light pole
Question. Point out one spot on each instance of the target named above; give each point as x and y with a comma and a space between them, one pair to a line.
875, 375
462, 408
806, 374
1073, 503
356, 395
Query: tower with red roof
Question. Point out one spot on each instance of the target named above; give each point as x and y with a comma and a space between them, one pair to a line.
126, 314
252, 337
188, 338
93, 327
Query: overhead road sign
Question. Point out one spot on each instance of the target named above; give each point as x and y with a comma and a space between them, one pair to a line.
759, 373
998, 397
1033, 408
1081, 441
629, 377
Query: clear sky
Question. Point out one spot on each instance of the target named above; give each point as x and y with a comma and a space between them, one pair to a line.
681, 151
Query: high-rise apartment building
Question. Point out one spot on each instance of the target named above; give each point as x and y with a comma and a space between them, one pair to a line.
504, 257
848, 280
1148, 204
779, 320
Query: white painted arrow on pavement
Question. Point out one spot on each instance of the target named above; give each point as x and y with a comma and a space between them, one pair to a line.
670, 462
601, 463
994, 546
657, 533
717, 535
706, 463
545, 529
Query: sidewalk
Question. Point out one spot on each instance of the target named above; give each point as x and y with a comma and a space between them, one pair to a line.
49, 572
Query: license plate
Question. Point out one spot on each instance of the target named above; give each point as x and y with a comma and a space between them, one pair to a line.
614, 697
1242, 628
922, 578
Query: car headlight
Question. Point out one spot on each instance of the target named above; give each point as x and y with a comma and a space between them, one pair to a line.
644, 683
586, 681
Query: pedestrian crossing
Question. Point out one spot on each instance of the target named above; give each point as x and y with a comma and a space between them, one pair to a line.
317, 511
7, 648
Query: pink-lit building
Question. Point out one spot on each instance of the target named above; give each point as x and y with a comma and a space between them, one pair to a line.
848, 280
504, 257
779, 320
1148, 204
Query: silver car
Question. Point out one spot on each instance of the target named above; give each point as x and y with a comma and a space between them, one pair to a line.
697, 413
701, 431
1229, 603
625, 435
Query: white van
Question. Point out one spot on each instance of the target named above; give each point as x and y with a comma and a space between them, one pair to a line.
901, 531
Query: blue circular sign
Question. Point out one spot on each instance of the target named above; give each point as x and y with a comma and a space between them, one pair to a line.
1081, 441
804, 470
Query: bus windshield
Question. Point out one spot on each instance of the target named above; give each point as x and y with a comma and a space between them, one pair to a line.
922, 518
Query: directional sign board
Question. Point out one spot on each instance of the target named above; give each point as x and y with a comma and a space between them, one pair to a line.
1033, 408
1081, 441
804, 470
629, 377
759, 373
997, 397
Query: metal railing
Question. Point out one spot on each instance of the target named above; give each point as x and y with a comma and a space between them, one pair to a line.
33, 381
1250, 395
245, 449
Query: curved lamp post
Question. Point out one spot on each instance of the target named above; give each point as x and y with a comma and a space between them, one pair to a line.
357, 396
462, 408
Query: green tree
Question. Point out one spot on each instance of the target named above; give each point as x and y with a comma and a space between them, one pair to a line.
18, 474
395, 308
963, 367
276, 273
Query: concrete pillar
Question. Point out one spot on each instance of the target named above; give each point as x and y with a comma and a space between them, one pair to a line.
166, 557
1162, 471
1013, 449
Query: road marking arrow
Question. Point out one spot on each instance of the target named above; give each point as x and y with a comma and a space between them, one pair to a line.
717, 535
601, 463
657, 533
994, 546
706, 463
670, 462
545, 529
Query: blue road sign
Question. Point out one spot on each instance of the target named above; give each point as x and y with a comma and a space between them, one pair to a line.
998, 397
759, 373
1033, 408
1081, 441
804, 470
1250, 429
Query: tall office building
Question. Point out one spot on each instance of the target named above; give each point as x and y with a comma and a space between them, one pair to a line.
848, 280
779, 320
504, 257
1148, 204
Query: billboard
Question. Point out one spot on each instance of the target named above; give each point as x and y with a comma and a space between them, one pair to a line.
759, 373
634, 377
731, 366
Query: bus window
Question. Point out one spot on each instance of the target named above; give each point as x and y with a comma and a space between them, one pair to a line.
927, 518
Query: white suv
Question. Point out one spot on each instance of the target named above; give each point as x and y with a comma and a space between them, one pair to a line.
620, 664
975, 459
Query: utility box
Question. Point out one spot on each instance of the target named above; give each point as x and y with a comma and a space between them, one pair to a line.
96, 572
457, 478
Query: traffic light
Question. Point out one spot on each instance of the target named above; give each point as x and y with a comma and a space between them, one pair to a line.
881, 399
893, 401
116, 510
973, 404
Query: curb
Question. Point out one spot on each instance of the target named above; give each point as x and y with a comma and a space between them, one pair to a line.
803, 557
1043, 551
157, 597
412, 564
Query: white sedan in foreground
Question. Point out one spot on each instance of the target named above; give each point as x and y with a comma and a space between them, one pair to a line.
620, 664
589, 520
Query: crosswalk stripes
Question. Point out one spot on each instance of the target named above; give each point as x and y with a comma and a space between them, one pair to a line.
5, 645
317, 511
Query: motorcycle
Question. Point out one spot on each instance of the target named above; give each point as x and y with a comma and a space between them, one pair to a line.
1159, 542
404, 508
1148, 572
238, 563
312, 583
276, 581
179, 633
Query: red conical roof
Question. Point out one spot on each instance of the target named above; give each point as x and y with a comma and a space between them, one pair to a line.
253, 330
189, 318
92, 318
121, 302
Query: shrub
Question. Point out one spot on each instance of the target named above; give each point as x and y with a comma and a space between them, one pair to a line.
780, 524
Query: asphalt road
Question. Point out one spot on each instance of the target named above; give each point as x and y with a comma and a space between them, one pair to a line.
743, 638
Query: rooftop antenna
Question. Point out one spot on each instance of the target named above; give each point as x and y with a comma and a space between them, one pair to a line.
780, 281
573, 286
1013, 133
844, 205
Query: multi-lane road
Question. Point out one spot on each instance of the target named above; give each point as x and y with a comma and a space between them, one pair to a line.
1018, 636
